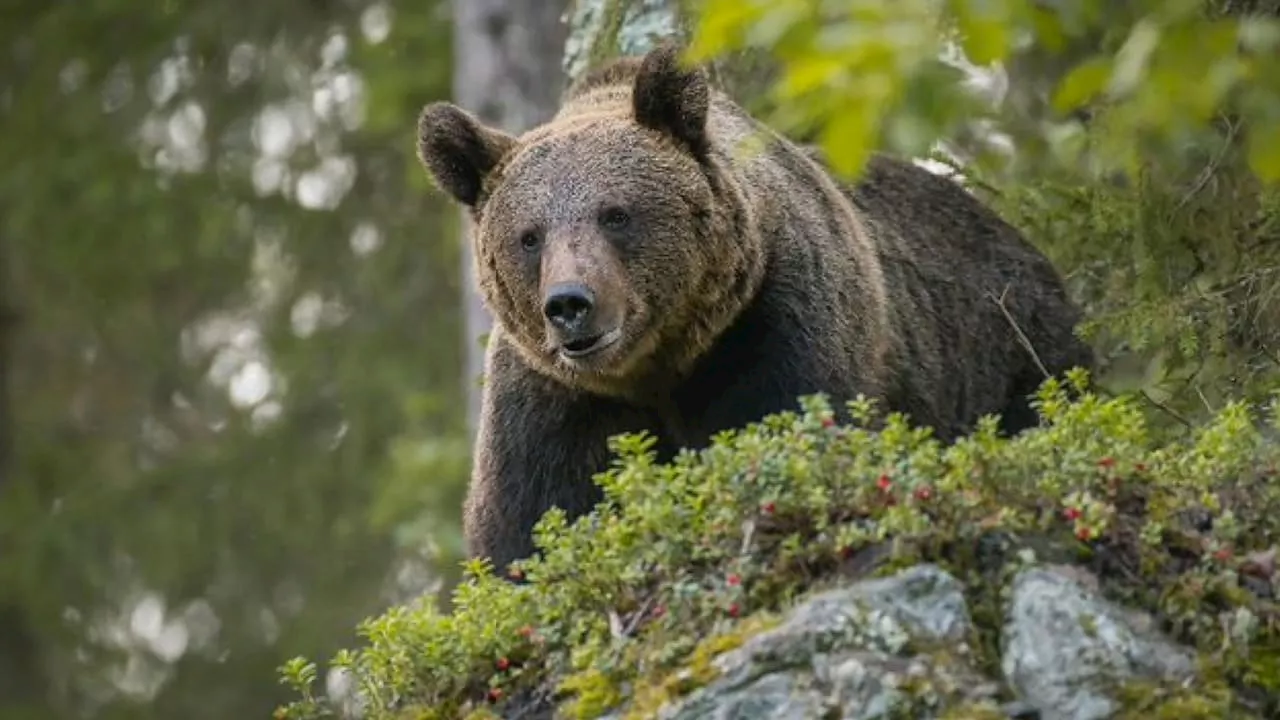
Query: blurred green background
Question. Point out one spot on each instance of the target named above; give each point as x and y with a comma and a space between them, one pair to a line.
233, 344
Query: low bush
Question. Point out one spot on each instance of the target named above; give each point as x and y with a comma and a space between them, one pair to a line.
626, 606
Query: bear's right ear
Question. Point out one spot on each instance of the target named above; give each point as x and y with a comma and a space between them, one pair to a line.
672, 98
458, 151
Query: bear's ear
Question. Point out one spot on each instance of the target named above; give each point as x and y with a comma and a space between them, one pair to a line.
671, 97
458, 150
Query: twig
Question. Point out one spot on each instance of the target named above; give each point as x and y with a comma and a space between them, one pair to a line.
1204, 400
637, 617
616, 630
1268, 353
748, 534
1170, 411
1209, 170
1022, 337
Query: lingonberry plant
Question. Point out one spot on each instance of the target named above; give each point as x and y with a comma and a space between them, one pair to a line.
626, 606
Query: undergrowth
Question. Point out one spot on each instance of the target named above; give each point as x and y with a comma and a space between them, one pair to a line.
625, 607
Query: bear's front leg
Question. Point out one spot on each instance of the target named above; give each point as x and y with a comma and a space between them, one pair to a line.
537, 447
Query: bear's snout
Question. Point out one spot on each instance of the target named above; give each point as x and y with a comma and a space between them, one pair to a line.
569, 306
582, 288
576, 324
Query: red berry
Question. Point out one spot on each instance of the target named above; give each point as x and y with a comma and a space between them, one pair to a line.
1084, 533
828, 422
734, 610
733, 580
883, 482
495, 694
924, 493
1071, 513
503, 663
768, 508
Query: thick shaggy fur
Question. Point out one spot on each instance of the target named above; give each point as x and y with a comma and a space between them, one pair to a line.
737, 274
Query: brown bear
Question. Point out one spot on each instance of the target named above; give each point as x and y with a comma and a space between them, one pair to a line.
647, 270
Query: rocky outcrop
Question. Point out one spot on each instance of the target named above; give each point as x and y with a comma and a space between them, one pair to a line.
900, 647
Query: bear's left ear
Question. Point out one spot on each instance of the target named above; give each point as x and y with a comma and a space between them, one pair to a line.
458, 150
672, 98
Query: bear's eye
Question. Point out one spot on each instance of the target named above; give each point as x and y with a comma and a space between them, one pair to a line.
614, 218
530, 241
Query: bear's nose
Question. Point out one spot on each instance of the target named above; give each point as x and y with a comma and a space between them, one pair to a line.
568, 305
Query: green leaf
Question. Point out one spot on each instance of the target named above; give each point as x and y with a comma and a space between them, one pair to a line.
847, 140
811, 73
1131, 60
1048, 29
1264, 153
720, 24
1080, 85
986, 33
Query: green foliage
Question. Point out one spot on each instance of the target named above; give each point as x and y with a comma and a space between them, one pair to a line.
868, 72
1181, 286
1133, 142
626, 606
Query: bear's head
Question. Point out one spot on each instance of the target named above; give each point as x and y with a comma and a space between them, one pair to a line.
610, 243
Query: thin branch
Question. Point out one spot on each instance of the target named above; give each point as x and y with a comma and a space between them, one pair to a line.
1165, 408
1209, 170
1022, 337
619, 630
1204, 400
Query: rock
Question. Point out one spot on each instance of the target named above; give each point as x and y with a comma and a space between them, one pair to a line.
864, 651
1064, 646
898, 647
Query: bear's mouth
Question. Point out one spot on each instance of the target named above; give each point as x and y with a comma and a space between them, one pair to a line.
582, 347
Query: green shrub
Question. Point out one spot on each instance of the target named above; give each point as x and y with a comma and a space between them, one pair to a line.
1133, 142
686, 559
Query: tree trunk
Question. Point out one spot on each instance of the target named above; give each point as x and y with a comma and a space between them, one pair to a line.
507, 70
603, 29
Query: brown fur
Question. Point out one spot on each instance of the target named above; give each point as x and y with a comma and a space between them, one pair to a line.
735, 279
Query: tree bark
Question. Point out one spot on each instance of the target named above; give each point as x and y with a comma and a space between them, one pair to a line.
507, 70
603, 29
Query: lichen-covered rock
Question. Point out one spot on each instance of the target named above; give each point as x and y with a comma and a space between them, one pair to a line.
899, 647
888, 645
1066, 648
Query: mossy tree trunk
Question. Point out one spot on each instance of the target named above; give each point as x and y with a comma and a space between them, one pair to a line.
603, 29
